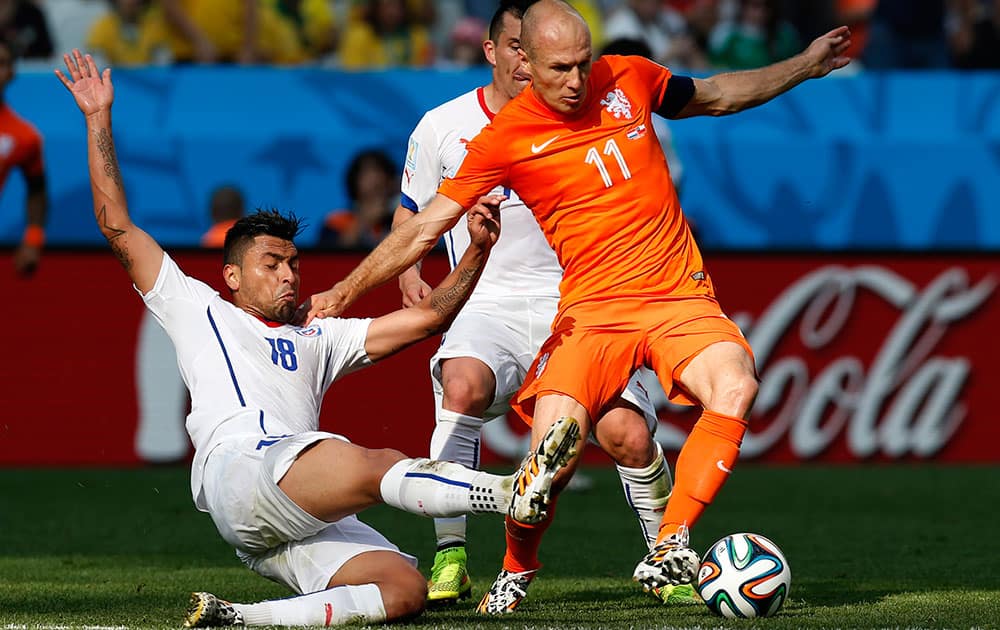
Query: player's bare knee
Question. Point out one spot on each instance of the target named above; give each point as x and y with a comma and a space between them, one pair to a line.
734, 396
467, 395
638, 453
625, 437
468, 384
404, 595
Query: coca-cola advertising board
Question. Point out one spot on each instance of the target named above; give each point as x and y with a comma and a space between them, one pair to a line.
861, 357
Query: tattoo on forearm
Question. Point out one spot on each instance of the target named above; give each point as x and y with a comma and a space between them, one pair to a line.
444, 300
107, 148
119, 247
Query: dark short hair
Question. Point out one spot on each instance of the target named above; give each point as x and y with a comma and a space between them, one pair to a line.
375, 157
262, 222
515, 8
627, 46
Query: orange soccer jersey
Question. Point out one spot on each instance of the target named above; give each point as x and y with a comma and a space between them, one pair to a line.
634, 289
598, 184
20, 145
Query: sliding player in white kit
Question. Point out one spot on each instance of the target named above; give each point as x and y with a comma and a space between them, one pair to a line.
485, 353
281, 492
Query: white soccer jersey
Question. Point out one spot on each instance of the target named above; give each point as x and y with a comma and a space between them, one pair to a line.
246, 376
522, 263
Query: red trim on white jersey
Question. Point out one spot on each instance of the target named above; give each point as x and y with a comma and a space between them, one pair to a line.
270, 323
481, 95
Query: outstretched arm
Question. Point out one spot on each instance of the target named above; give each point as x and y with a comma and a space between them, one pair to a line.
393, 332
733, 92
137, 251
404, 246
411, 284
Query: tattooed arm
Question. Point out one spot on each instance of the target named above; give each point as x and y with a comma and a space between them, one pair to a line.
393, 332
138, 253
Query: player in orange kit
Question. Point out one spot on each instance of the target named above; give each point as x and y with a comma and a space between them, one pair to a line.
21, 147
579, 149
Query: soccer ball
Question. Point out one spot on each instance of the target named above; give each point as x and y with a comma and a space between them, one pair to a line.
744, 575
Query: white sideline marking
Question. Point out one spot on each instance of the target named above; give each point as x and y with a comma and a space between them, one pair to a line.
13, 626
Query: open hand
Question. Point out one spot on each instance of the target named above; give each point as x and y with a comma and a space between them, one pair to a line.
92, 90
826, 52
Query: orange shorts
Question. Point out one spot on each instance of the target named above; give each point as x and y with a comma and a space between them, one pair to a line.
595, 346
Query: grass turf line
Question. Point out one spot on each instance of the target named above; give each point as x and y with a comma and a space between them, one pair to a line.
871, 546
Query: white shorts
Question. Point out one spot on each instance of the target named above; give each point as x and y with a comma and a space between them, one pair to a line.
506, 335
272, 535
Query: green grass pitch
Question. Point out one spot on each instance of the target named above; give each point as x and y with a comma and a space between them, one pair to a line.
901, 546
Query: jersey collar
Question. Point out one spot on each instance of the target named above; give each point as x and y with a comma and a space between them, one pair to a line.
481, 95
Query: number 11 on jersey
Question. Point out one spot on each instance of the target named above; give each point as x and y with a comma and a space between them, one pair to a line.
610, 148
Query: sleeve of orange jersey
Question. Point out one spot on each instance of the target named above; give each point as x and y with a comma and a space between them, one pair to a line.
652, 76
483, 169
32, 165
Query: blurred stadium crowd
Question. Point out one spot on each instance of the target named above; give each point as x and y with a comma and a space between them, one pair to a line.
697, 35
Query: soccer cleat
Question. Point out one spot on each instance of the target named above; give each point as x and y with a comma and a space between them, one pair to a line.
207, 610
676, 594
533, 480
506, 593
449, 577
670, 561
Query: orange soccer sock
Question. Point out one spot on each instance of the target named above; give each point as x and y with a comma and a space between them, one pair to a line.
523, 542
703, 465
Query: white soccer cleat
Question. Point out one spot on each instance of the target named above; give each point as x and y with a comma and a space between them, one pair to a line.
670, 561
533, 480
208, 611
506, 593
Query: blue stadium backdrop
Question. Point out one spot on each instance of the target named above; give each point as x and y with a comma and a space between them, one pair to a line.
903, 161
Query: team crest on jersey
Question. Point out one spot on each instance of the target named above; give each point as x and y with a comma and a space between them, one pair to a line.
638, 132
618, 104
411, 155
310, 331
542, 362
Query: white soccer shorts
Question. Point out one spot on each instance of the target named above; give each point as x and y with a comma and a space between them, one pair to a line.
272, 535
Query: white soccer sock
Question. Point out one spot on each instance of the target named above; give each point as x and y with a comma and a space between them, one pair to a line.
456, 438
334, 606
647, 490
436, 489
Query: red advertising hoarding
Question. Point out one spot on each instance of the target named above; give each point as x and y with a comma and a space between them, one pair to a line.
860, 358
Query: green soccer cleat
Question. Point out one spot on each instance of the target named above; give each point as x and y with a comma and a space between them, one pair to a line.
450, 580
677, 594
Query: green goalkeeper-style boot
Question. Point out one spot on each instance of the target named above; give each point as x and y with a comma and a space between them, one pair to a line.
449, 577
676, 594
